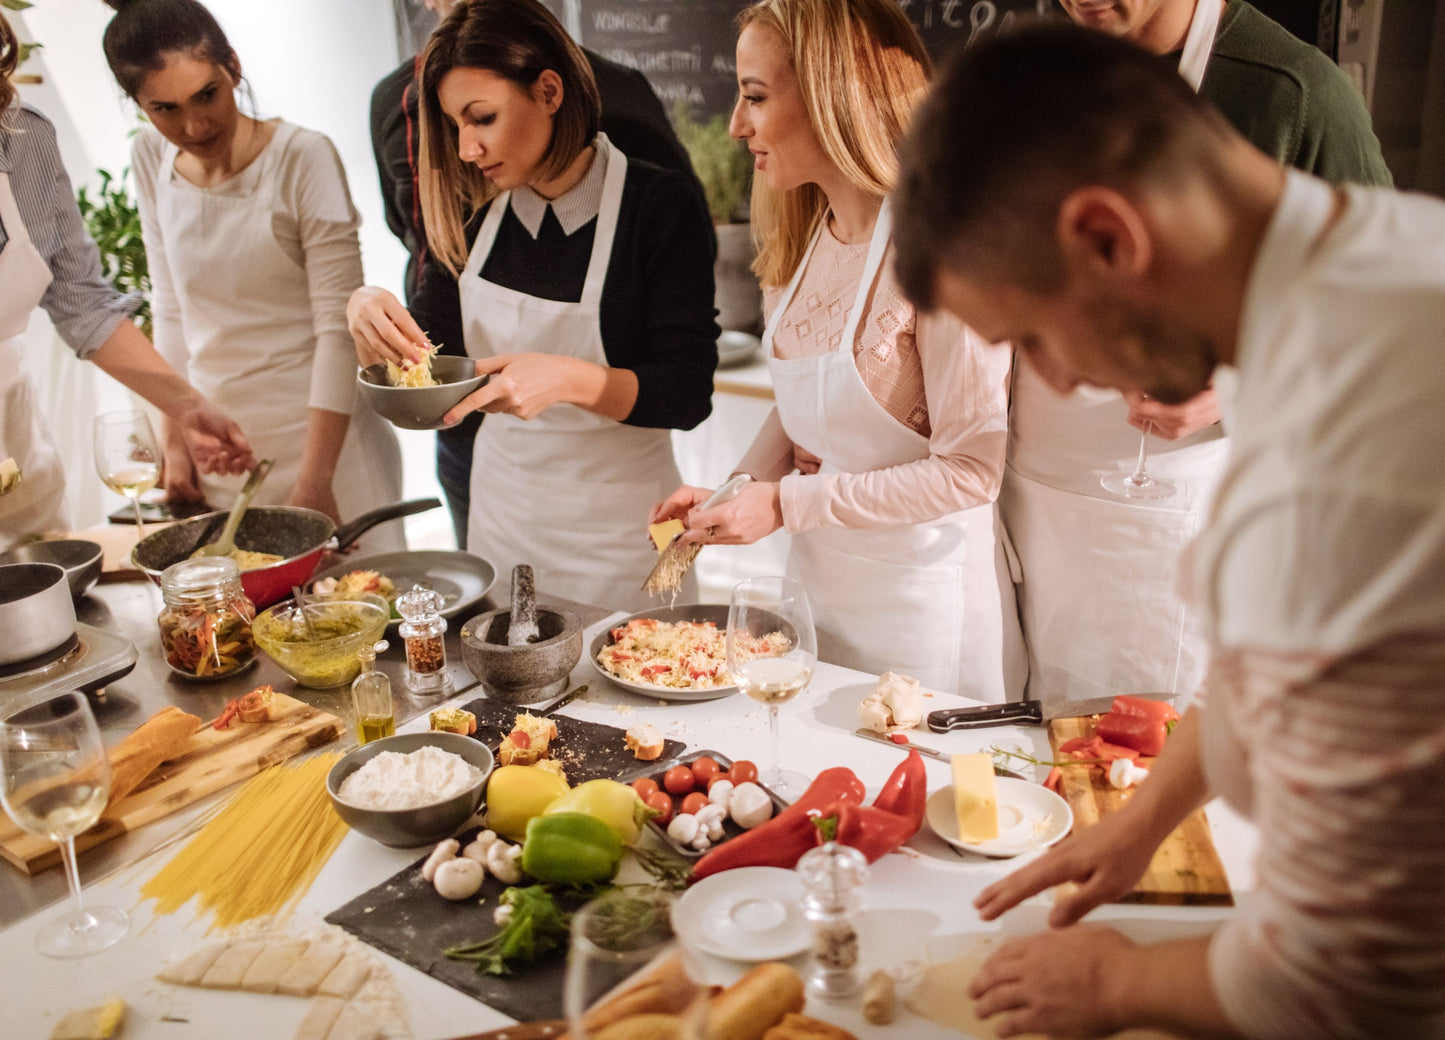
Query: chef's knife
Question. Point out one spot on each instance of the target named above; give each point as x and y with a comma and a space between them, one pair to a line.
1037, 712
926, 752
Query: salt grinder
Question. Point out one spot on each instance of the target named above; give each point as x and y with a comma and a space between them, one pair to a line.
833, 876
422, 629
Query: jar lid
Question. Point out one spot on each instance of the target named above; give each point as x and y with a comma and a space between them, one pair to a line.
419, 604
200, 574
833, 873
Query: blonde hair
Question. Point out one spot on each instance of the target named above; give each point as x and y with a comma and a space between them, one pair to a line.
861, 70
517, 40
9, 59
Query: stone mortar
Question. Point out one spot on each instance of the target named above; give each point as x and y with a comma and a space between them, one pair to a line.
522, 674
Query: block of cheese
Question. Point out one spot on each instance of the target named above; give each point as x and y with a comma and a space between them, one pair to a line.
975, 797
663, 533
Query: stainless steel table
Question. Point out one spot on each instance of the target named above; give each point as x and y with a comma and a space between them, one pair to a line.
130, 609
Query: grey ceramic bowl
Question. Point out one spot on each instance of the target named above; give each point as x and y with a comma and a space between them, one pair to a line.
522, 674
81, 560
420, 407
428, 824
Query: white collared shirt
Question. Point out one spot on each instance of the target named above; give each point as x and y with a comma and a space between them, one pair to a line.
573, 208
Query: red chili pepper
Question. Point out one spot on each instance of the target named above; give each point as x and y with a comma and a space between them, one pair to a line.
894, 817
1145, 736
232, 709
1055, 780
782, 841
1161, 710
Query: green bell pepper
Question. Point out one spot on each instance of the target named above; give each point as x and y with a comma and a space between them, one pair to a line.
571, 849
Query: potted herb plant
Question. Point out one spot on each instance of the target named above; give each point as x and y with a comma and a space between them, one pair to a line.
113, 220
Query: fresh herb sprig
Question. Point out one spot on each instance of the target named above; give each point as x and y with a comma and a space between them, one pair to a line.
536, 927
997, 753
669, 871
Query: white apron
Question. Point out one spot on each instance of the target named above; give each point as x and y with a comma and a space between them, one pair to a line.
567, 492
923, 599
37, 504
255, 365
1098, 590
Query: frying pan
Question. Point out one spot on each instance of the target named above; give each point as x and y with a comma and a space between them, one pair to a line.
299, 536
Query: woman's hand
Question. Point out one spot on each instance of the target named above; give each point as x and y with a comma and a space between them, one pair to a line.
1059, 983
213, 441
753, 513
525, 384
804, 461
1173, 421
383, 329
677, 505
181, 482
312, 495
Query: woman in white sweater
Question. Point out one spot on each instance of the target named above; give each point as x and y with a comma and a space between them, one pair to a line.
251, 237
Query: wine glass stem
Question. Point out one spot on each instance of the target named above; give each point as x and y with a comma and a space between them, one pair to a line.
776, 769
72, 874
1141, 473
140, 527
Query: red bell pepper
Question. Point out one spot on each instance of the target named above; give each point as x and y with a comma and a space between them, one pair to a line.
1139, 724
894, 817
1096, 748
782, 841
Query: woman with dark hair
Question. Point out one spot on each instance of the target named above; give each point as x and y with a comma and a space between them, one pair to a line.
251, 237
47, 260
586, 293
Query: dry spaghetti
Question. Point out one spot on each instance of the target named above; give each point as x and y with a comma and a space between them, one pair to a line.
259, 854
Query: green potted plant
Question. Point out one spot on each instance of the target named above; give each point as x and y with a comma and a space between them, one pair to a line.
113, 220
725, 169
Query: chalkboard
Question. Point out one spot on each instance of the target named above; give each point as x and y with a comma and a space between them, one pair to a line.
946, 24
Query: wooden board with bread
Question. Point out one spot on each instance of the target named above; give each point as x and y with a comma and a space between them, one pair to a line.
173, 760
1185, 871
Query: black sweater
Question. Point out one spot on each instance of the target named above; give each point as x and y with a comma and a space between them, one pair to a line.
657, 300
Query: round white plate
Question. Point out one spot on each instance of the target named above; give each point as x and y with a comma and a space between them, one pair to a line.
1030, 816
462, 578
717, 613
745, 914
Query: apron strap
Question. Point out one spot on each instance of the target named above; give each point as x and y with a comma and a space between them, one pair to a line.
877, 248
792, 288
15, 229
607, 215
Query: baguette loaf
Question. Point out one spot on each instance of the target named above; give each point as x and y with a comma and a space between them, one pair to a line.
755, 1003
136, 757
665, 990
643, 1027
801, 1027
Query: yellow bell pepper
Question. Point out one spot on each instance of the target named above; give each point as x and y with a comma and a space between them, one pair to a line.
515, 794
615, 804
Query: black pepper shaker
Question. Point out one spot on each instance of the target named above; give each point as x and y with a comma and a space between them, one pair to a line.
833, 875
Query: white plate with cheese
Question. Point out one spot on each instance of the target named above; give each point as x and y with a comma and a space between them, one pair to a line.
1030, 817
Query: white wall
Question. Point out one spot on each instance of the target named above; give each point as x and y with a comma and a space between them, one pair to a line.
312, 62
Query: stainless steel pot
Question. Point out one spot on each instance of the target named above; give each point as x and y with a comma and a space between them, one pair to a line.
36, 613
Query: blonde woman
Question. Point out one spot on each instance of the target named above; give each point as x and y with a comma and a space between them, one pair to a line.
897, 419
584, 280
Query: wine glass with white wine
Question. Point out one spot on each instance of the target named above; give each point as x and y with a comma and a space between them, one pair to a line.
54, 782
771, 652
127, 457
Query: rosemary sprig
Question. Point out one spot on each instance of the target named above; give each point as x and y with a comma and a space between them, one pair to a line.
669, 871
997, 752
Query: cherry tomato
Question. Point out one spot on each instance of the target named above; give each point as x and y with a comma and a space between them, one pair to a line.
679, 780
660, 801
743, 772
693, 802
704, 769
715, 778
644, 786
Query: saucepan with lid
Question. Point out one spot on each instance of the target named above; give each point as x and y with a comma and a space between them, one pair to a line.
299, 536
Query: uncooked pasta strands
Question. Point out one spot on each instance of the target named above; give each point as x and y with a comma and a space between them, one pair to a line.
259, 854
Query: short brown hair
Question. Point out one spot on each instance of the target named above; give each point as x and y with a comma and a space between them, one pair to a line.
517, 40
1013, 127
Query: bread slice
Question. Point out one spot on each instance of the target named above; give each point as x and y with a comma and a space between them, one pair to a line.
454, 720
644, 741
527, 743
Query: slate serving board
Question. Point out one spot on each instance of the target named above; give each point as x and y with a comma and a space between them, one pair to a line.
404, 917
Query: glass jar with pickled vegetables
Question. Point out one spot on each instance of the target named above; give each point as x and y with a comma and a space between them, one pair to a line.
206, 623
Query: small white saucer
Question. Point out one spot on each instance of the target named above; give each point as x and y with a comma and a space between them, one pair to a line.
1030, 816
745, 914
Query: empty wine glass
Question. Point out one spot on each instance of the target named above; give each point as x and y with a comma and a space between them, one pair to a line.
613, 937
771, 651
54, 782
127, 457
1138, 483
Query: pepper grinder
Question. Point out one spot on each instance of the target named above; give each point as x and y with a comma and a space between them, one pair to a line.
371, 697
421, 630
833, 876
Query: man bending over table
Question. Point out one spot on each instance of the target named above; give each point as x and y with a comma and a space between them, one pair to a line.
1069, 193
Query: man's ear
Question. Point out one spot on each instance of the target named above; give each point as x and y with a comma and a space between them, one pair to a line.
548, 90
1102, 231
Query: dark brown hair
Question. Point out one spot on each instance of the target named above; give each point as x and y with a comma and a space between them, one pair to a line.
517, 40
9, 59
1015, 125
143, 32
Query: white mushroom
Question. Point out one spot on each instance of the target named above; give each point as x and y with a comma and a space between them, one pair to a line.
458, 878
700, 841
750, 806
711, 818
445, 851
477, 848
505, 862
684, 828
1124, 773
720, 792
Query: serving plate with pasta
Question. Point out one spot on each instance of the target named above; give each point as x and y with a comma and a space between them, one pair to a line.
674, 653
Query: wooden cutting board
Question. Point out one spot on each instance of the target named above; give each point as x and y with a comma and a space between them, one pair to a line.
1186, 869
211, 760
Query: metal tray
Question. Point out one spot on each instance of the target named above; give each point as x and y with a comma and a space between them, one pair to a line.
657, 768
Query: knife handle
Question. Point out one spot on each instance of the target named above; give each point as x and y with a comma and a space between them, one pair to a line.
993, 715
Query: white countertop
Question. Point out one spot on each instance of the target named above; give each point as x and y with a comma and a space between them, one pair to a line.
918, 900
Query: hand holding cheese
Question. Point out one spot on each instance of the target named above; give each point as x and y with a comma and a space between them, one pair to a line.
975, 797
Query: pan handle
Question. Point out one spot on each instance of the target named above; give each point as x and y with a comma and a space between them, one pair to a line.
354, 529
